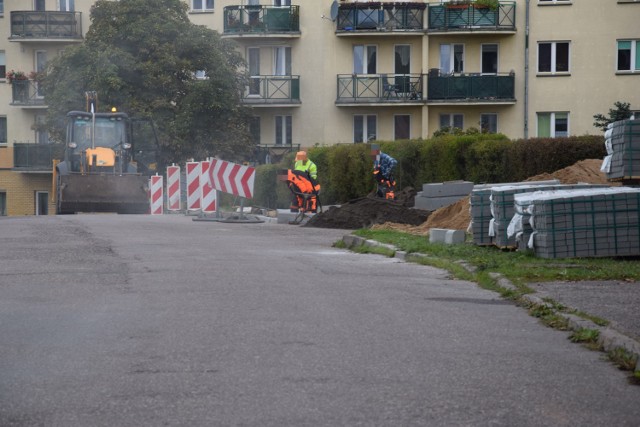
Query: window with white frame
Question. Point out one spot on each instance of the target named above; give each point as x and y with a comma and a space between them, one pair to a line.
201, 5
452, 58
489, 59
282, 2
284, 126
3, 130
489, 122
42, 135
39, 5
41, 65
553, 125
553, 1
282, 61
401, 126
66, 5
365, 59
3, 65
451, 120
629, 55
1, 7
553, 57
253, 60
365, 128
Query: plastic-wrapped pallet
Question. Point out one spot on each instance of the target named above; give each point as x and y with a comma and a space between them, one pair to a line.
503, 209
622, 140
579, 223
480, 209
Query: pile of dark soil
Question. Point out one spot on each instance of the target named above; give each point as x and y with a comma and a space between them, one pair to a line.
370, 210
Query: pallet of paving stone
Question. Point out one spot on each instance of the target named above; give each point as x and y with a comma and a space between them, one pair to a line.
503, 209
622, 140
581, 223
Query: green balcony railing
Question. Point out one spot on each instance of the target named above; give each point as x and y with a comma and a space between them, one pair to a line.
259, 19
471, 87
27, 93
376, 16
45, 24
36, 157
468, 17
272, 90
386, 88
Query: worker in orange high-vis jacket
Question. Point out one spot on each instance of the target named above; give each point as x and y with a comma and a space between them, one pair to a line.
306, 167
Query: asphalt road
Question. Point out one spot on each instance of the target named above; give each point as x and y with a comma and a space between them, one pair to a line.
110, 320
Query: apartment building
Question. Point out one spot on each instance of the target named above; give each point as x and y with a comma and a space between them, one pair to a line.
329, 72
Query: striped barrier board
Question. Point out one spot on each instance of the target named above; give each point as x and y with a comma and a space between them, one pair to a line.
173, 188
156, 191
194, 192
232, 178
208, 193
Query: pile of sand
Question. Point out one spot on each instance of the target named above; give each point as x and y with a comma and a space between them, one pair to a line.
457, 216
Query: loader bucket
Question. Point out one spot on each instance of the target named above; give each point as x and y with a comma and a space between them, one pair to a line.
125, 194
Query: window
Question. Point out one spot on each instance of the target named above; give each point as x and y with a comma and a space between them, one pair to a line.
628, 55
3, 130
42, 136
42, 203
254, 129
282, 2
283, 130
66, 5
451, 121
3, 203
364, 59
3, 65
489, 123
554, 1
553, 125
489, 57
451, 58
41, 64
401, 127
282, 61
253, 56
365, 128
1, 7
553, 57
39, 5
201, 5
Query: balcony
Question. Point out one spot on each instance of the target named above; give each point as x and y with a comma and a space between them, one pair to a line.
28, 26
272, 91
261, 21
471, 88
380, 89
26, 93
29, 157
445, 18
380, 18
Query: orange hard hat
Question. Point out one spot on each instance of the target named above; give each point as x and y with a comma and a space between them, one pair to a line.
301, 155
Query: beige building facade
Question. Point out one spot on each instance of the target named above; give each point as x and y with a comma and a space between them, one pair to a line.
341, 72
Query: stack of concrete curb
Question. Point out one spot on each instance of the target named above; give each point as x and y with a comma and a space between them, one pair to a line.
437, 195
622, 140
480, 206
595, 222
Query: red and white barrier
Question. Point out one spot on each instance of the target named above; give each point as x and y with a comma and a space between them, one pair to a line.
173, 188
156, 190
208, 193
232, 178
194, 192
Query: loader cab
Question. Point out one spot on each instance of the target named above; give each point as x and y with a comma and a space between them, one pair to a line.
98, 143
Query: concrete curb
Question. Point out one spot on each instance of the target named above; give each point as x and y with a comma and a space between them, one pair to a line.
608, 339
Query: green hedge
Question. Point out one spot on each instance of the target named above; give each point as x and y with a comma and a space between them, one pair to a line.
344, 170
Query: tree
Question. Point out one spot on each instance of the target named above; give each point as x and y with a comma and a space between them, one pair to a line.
142, 56
622, 111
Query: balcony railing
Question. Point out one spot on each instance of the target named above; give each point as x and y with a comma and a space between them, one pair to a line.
385, 88
36, 157
246, 20
376, 16
468, 17
471, 87
273, 90
27, 93
43, 25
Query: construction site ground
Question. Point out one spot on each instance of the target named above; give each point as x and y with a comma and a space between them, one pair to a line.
614, 301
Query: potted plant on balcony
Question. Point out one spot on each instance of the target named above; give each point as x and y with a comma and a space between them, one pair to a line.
487, 4
20, 85
458, 4
12, 76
